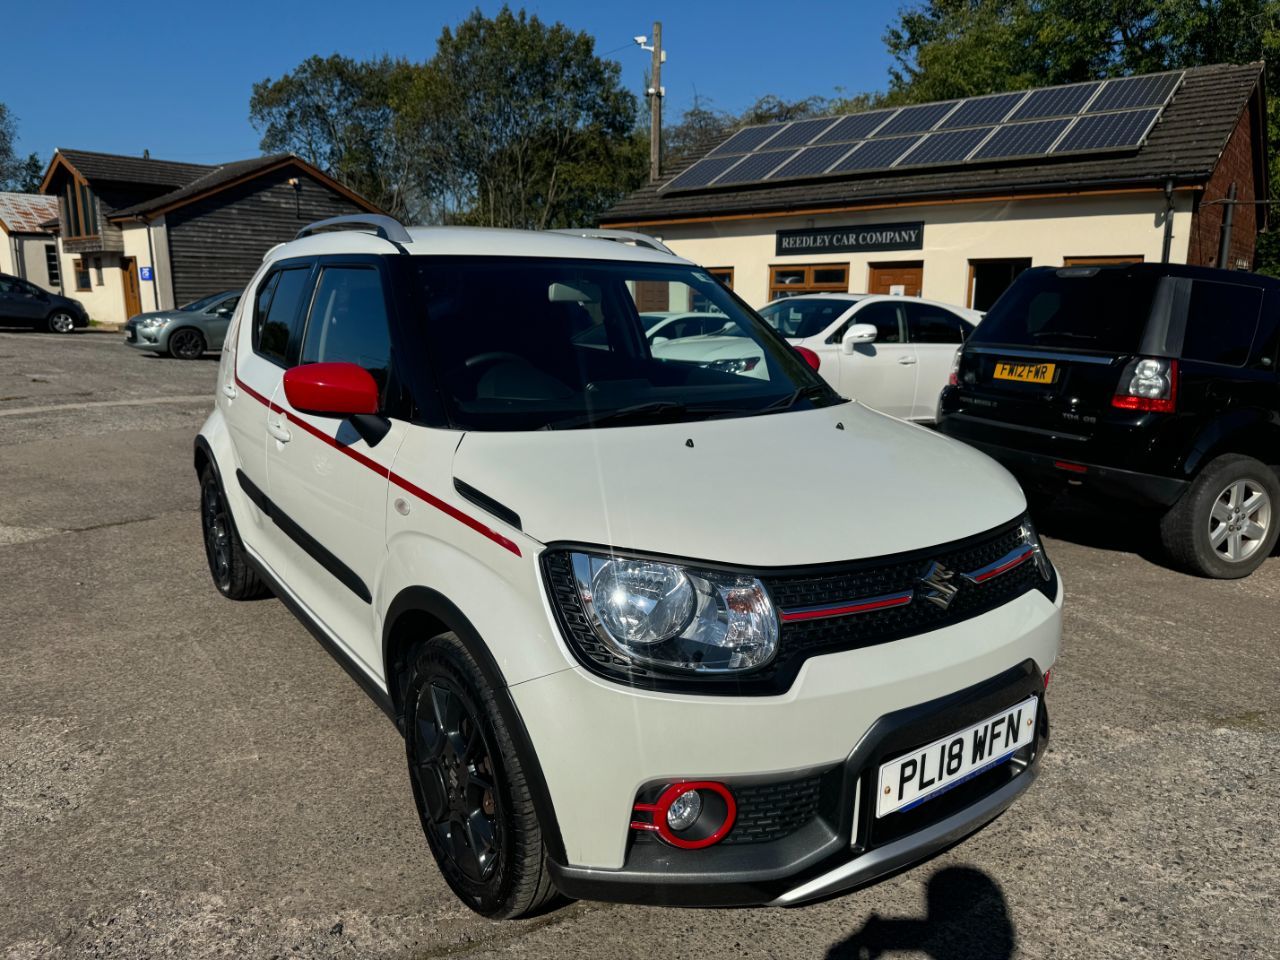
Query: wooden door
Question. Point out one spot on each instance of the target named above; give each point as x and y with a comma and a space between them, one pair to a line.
906, 278
132, 298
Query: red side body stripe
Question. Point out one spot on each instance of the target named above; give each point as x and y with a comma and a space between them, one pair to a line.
399, 481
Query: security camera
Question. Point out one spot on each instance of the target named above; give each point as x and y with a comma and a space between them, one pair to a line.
641, 40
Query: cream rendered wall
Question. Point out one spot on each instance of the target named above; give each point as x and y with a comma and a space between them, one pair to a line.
104, 301
1044, 230
135, 245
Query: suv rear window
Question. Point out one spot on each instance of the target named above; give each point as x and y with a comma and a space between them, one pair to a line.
1077, 309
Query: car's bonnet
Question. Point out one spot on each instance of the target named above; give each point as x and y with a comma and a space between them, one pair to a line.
781, 489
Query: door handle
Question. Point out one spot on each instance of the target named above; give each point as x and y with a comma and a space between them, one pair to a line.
229, 390
278, 430
906, 361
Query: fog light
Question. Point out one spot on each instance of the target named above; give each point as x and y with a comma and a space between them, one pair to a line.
684, 810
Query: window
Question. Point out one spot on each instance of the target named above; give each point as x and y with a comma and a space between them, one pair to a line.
990, 278
791, 281
884, 315
97, 269
277, 314
930, 324
800, 318
1221, 321
700, 303
82, 276
349, 321
51, 267
81, 210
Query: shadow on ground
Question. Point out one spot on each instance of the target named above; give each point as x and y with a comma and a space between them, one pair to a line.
966, 919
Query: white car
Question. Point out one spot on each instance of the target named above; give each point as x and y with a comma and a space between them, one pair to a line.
892, 353
629, 658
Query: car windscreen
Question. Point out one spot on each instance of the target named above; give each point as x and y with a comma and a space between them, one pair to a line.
1098, 309
799, 318
525, 343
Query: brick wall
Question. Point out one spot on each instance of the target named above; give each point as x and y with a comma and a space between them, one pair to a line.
1236, 164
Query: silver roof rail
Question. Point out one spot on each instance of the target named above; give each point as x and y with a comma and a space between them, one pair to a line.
388, 228
618, 236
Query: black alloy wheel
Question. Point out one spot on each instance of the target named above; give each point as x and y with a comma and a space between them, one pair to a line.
228, 562
187, 344
471, 792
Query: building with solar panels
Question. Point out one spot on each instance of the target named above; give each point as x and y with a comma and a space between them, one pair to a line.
952, 200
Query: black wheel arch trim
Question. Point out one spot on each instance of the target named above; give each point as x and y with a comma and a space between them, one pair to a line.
424, 600
1248, 431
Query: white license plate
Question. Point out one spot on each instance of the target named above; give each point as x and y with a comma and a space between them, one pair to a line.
929, 771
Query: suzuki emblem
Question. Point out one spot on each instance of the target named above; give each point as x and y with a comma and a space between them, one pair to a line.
936, 586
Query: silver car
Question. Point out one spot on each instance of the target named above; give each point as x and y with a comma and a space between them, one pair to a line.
188, 331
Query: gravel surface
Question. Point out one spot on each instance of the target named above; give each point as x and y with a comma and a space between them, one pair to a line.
181, 776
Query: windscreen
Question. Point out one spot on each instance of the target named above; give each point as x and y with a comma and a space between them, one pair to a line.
798, 318
1098, 309
523, 344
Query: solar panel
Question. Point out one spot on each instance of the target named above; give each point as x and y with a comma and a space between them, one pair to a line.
948, 146
756, 167
1132, 92
982, 110
800, 133
855, 127
744, 141
811, 161
1055, 101
1021, 139
1108, 131
702, 172
875, 154
916, 119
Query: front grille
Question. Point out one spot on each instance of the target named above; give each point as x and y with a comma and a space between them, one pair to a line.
771, 811
830, 584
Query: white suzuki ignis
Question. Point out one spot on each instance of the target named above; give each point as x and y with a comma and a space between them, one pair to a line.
654, 627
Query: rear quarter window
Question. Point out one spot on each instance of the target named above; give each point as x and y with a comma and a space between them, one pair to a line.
1222, 319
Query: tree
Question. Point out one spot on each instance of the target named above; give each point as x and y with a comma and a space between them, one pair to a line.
524, 125
17, 174
340, 115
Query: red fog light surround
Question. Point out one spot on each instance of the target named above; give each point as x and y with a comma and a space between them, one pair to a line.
712, 825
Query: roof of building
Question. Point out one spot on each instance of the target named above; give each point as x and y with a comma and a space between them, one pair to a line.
1184, 146
188, 181
27, 212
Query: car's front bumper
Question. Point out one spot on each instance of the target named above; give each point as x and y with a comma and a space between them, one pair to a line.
145, 338
599, 743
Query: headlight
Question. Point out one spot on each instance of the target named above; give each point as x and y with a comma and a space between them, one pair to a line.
153, 322
1027, 532
670, 616
739, 365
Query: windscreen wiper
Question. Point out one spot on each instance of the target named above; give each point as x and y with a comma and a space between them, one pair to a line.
789, 401
639, 411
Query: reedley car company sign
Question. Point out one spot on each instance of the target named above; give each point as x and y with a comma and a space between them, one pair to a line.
860, 239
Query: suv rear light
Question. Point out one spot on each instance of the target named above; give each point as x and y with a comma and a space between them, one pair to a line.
1149, 384
953, 379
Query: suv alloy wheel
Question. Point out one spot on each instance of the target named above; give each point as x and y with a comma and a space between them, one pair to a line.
1225, 525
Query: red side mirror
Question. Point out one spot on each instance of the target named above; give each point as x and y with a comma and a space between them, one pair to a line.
811, 358
331, 389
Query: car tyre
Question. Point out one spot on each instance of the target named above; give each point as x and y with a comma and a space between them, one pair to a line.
229, 565
60, 321
469, 786
187, 344
1226, 524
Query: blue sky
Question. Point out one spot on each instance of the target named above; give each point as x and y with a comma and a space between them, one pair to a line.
153, 75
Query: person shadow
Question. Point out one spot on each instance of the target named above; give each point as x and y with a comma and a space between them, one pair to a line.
966, 919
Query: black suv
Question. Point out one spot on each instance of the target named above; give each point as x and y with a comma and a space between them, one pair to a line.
1154, 383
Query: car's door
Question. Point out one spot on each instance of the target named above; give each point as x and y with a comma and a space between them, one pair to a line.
268, 341
19, 300
881, 374
217, 318
937, 334
328, 483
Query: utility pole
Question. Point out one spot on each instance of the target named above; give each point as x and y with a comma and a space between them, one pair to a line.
655, 93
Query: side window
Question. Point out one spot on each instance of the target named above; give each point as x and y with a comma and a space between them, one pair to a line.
349, 321
884, 315
277, 316
928, 324
1221, 321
